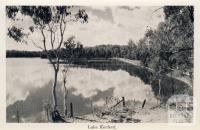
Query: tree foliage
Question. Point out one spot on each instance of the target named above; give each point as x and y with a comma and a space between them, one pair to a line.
169, 48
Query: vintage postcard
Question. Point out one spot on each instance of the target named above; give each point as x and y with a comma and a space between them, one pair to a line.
99, 64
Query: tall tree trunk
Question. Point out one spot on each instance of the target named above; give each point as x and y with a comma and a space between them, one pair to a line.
54, 89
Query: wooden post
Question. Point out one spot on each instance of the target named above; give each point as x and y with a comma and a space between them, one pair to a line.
159, 91
143, 103
47, 112
107, 102
71, 110
66, 112
92, 107
123, 101
17, 116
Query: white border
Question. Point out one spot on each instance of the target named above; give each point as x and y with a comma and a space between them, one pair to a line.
81, 126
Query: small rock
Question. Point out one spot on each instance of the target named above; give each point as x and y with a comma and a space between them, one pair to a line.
117, 120
136, 120
122, 116
129, 119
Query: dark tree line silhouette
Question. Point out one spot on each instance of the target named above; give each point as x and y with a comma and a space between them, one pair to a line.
100, 51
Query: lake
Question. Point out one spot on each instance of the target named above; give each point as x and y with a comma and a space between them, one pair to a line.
29, 86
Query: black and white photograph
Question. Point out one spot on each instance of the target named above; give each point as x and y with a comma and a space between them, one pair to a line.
99, 64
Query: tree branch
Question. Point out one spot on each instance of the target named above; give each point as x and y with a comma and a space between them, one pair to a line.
52, 37
45, 49
62, 31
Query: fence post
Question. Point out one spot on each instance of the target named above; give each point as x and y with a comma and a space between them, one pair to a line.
47, 112
92, 107
143, 103
71, 110
17, 116
123, 101
107, 102
66, 112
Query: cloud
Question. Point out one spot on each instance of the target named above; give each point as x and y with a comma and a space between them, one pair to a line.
106, 25
105, 13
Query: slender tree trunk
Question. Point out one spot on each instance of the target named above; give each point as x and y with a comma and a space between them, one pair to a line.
65, 99
54, 89
18, 116
159, 92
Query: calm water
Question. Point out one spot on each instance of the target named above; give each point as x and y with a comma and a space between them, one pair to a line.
29, 86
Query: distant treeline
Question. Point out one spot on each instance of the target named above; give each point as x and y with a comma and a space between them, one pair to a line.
16, 53
100, 51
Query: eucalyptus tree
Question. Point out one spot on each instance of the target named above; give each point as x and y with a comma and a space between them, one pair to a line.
169, 48
50, 22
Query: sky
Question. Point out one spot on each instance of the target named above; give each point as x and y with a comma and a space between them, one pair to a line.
106, 25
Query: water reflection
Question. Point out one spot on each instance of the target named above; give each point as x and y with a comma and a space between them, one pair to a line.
170, 86
29, 83
32, 109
